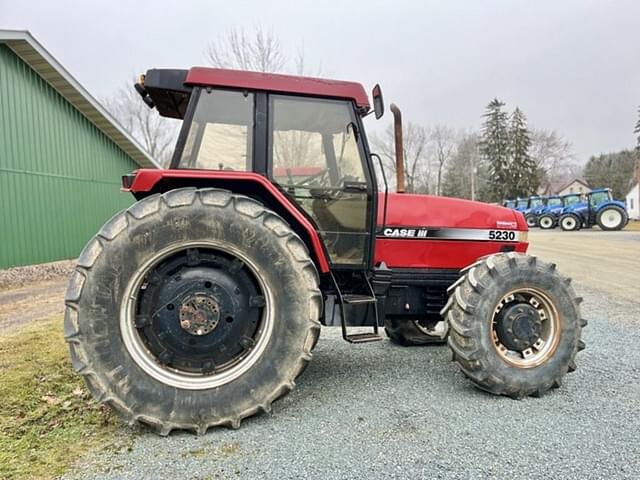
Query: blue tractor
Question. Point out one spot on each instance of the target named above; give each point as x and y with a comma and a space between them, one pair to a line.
509, 204
536, 204
555, 205
522, 204
599, 209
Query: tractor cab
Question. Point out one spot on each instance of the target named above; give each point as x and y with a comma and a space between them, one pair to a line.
312, 148
571, 199
537, 204
554, 202
315, 153
509, 204
599, 196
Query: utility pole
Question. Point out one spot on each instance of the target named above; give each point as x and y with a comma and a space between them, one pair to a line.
472, 159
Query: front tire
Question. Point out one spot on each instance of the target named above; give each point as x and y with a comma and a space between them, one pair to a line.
612, 218
570, 222
532, 220
515, 325
192, 309
547, 222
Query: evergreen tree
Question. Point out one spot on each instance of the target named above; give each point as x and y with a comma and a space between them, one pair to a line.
465, 175
523, 177
494, 148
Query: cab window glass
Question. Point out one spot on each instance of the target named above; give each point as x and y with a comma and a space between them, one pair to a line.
599, 197
314, 143
221, 133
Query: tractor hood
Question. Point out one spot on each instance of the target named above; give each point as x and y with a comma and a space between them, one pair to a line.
432, 212
428, 232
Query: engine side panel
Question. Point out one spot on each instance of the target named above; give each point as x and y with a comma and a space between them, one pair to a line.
423, 231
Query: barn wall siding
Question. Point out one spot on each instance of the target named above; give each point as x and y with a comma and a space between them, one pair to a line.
59, 174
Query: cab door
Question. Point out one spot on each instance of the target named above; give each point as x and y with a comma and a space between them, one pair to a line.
317, 157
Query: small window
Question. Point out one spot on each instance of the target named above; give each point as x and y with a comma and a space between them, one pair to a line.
221, 133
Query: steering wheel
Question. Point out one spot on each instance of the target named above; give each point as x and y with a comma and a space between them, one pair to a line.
316, 176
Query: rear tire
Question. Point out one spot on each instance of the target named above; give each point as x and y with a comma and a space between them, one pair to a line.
410, 333
612, 218
515, 325
570, 222
111, 340
547, 222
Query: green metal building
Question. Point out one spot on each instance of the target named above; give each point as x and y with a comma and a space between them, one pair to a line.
61, 157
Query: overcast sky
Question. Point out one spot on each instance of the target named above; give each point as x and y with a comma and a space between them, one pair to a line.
571, 65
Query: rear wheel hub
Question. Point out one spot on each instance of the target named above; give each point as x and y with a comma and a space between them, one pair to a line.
199, 314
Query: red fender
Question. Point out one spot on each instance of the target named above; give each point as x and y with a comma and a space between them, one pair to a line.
146, 180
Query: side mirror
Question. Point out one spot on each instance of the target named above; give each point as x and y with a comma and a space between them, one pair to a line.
378, 102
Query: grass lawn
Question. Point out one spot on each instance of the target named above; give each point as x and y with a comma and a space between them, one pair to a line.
47, 417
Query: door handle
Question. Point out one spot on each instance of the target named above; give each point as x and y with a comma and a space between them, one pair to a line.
357, 187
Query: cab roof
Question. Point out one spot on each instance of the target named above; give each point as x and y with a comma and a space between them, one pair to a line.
272, 82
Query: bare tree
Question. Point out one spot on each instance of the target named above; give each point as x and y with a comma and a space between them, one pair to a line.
155, 133
554, 158
465, 175
259, 51
417, 168
444, 144
636, 130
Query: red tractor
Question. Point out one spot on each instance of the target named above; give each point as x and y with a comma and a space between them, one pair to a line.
200, 304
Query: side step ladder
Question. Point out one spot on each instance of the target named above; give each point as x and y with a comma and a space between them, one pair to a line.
357, 299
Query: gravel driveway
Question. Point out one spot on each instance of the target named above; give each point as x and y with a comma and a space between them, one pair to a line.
382, 411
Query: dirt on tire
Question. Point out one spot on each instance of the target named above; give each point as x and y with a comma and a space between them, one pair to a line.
471, 308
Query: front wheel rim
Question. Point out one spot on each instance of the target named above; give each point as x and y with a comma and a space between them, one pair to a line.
521, 341
545, 222
153, 365
611, 218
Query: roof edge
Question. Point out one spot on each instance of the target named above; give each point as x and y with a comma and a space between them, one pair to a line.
93, 110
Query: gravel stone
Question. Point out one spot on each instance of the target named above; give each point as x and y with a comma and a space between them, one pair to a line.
16, 277
384, 411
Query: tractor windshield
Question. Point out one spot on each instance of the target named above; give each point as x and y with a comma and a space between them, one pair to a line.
554, 202
536, 202
522, 203
571, 200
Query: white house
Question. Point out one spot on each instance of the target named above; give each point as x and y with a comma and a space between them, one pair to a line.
633, 202
576, 185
